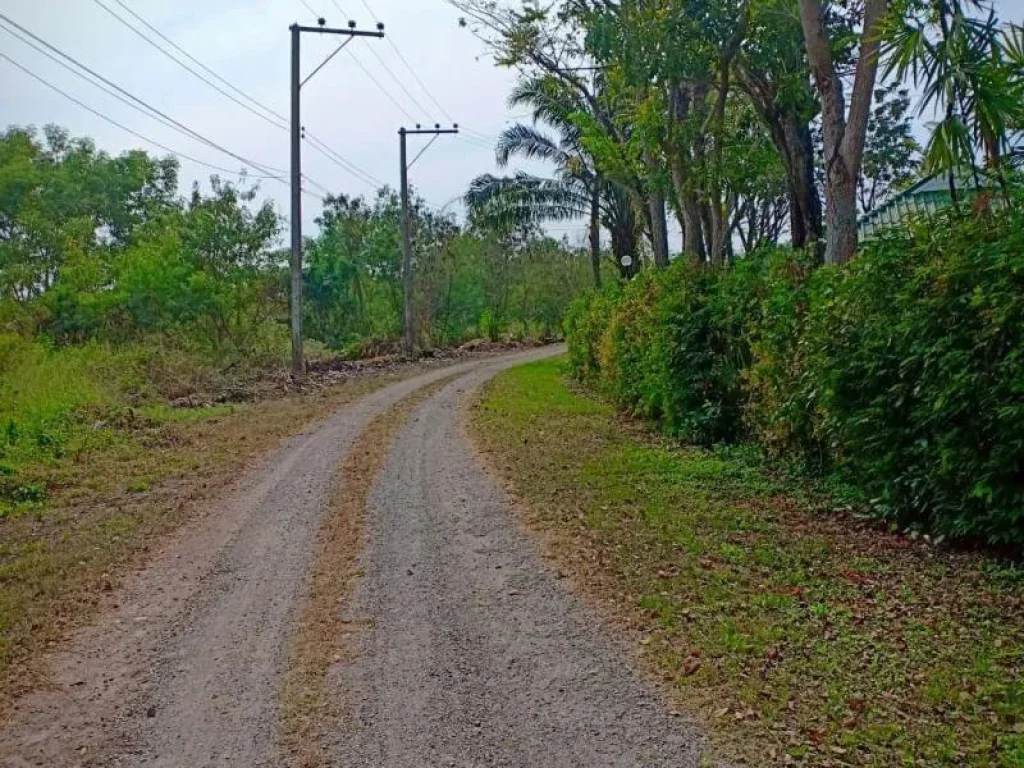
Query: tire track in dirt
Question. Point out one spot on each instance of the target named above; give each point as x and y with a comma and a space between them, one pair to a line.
185, 670
306, 712
472, 652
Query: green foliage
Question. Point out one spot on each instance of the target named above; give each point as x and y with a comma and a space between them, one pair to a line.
900, 374
890, 150
671, 347
585, 322
967, 64
924, 355
781, 383
51, 403
491, 280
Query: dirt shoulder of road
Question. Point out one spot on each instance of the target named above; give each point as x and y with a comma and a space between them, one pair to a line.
795, 634
62, 560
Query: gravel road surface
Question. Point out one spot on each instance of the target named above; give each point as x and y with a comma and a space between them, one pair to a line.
478, 655
184, 670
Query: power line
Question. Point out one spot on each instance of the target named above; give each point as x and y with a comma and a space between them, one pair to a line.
282, 125
138, 135
352, 170
310, 8
316, 184
76, 73
401, 85
381, 61
375, 81
343, 163
180, 126
423, 86
202, 66
409, 67
125, 128
382, 89
185, 66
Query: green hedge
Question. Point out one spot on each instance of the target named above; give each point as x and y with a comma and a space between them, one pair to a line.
901, 374
670, 347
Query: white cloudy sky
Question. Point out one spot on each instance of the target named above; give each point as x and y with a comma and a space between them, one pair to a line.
247, 43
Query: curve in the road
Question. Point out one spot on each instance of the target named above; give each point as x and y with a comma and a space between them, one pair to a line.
478, 655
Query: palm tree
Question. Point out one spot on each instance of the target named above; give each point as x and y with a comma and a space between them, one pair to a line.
575, 191
969, 69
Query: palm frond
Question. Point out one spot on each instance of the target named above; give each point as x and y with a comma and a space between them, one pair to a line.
530, 144
525, 199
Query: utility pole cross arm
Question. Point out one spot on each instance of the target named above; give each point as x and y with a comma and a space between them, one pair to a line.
408, 327
298, 358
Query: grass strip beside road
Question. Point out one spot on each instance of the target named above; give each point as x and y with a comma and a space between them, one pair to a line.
796, 636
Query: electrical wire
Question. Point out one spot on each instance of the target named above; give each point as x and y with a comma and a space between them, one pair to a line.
408, 66
179, 125
327, 152
125, 128
381, 88
310, 9
186, 67
282, 123
200, 64
381, 61
316, 184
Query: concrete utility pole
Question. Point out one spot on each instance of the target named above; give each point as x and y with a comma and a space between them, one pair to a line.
408, 328
298, 361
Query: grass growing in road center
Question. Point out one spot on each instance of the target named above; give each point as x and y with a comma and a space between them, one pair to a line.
798, 636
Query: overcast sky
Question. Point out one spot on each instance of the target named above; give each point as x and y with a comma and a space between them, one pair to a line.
247, 43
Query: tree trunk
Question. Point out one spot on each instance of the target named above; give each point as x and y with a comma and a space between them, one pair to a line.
659, 229
844, 135
624, 247
791, 135
595, 230
693, 239
802, 191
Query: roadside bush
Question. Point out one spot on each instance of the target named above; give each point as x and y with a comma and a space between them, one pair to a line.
901, 374
585, 322
671, 348
782, 383
922, 384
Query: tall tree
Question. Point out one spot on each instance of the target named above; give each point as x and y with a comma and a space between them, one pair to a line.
577, 190
844, 132
772, 70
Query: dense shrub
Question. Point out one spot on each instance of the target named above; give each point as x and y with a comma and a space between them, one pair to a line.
923, 393
585, 322
781, 386
901, 373
671, 348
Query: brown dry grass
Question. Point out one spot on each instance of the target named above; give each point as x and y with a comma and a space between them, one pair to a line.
305, 709
61, 561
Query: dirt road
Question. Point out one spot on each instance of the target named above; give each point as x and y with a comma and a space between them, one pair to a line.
478, 656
